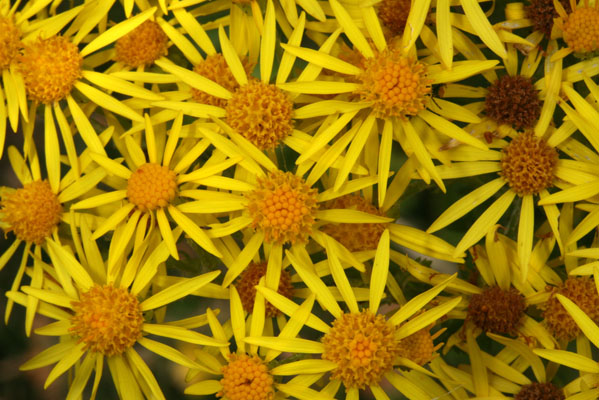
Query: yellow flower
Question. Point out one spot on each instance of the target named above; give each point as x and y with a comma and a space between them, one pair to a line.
99, 312
360, 347
394, 87
154, 184
499, 306
249, 371
579, 28
35, 211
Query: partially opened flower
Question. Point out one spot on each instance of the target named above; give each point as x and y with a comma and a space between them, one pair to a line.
254, 371
154, 184
102, 312
361, 347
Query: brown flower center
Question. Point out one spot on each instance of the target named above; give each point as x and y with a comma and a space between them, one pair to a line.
540, 391
582, 291
246, 286
394, 14
542, 13
513, 100
497, 310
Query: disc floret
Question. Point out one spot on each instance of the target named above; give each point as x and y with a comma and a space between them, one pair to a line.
397, 85
581, 29
152, 186
582, 291
31, 212
10, 42
513, 100
394, 14
528, 164
107, 319
215, 68
363, 346
540, 391
355, 237
497, 310
142, 46
245, 378
246, 286
261, 113
283, 206
50, 67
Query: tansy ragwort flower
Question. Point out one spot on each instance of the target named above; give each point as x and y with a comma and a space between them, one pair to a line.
498, 305
52, 66
579, 28
360, 348
582, 360
393, 86
34, 212
248, 372
154, 184
99, 313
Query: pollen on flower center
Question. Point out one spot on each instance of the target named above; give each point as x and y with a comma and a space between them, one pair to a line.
582, 291
497, 310
394, 14
107, 319
528, 164
540, 391
246, 286
363, 346
396, 84
50, 67
513, 100
283, 206
142, 46
355, 237
32, 212
261, 113
581, 29
215, 68
246, 378
10, 42
152, 186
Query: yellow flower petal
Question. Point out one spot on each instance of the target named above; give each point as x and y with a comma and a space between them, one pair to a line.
177, 291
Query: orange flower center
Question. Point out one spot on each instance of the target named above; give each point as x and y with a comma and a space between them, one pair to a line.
142, 46
283, 206
528, 164
397, 85
355, 237
32, 212
246, 378
107, 319
581, 30
215, 68
261, 113
50, 67
363, 346
152, 186
10, 42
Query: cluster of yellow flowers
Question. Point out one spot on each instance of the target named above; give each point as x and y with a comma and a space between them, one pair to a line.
272, 140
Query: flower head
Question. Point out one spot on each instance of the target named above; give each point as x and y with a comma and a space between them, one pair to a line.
142, 46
